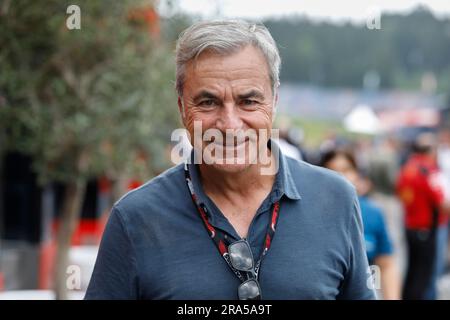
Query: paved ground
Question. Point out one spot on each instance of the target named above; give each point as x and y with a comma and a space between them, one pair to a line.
444, 287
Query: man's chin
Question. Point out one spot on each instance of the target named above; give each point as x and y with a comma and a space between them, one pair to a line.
231, 167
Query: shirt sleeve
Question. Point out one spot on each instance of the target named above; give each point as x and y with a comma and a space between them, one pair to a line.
384, 244
435, 188
114, 276
357, 283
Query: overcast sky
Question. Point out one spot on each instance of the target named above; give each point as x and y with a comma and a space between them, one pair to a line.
337, 10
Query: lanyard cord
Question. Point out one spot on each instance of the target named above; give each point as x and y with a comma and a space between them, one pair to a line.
218, 236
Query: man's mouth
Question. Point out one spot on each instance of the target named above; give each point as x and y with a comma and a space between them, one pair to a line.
234, 143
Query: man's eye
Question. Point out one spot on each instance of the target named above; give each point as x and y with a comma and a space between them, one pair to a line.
248, 102
207, 103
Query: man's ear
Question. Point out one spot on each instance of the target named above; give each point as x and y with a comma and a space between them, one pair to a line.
181, 109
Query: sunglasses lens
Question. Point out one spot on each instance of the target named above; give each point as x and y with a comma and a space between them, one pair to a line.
249, 290
240, 255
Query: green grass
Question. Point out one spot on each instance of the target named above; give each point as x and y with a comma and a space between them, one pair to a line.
316, 130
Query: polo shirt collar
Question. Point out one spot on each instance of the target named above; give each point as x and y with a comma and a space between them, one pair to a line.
284, 183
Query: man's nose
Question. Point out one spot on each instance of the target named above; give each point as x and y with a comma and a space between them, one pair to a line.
229, 117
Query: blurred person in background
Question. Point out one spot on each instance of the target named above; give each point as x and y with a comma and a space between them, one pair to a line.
443, 158
421, 189
287, 147
384, 164
378, 244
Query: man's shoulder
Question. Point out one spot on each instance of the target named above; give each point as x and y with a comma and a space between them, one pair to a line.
164, 186
326, 195
328, 201
318, 179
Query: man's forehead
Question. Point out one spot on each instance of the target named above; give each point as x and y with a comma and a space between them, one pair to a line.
248, 59
202, 87
241, 93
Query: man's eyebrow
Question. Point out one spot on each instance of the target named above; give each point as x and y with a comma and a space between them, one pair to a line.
251, 94
204, 94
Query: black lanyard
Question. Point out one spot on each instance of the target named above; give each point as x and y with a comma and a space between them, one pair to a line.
218, 236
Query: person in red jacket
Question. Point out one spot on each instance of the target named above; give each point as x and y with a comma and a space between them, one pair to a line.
422, 193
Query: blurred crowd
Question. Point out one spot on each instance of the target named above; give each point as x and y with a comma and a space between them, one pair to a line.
403, 186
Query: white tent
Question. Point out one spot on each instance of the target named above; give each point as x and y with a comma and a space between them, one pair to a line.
362, 119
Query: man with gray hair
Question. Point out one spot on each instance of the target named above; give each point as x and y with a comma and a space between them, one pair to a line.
238, 220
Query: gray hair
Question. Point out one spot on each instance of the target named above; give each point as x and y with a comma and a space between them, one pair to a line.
225, 37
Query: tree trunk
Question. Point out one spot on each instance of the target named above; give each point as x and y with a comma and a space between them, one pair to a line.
73, 199
118, 188
2, 229
2, 219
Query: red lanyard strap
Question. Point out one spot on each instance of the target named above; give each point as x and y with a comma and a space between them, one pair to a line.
218, 236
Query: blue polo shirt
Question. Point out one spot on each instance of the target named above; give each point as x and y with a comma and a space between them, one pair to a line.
155, 245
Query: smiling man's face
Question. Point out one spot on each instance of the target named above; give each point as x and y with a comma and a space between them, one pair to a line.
229, 93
